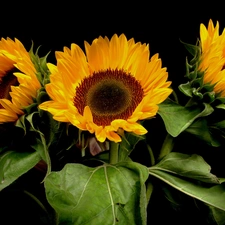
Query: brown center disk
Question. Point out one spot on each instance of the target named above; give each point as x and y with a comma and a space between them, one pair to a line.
110, 94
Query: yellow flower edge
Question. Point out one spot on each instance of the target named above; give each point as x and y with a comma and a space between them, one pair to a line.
212, 58
14, 55
77, 72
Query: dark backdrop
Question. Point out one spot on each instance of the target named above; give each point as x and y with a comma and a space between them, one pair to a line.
162, 25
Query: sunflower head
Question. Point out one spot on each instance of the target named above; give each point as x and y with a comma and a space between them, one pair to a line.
205, 71
111, 85
19, 80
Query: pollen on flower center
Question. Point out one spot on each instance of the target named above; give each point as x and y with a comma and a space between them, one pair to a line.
5, 85
110, 94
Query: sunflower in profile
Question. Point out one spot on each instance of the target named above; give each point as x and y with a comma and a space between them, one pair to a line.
112, 86
18, 81
212, 59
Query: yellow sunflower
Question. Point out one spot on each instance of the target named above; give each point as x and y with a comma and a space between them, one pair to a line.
212, 60
18, 81
113, 86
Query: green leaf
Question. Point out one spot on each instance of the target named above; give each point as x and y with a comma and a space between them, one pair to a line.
108, 194
40, 65
14, 164
200, 129
177, 118
220, 124
190, 166
21, 123
218, 215
221, 106
194, 50
214, 195
191, 175
127, 145
186, 89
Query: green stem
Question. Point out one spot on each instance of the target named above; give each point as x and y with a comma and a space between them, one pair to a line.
167, 146
190, 102
52, 218
149, 190
36, 200
152, 158
113, 152
175, 97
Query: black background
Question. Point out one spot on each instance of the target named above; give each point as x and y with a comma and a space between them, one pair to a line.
56, 24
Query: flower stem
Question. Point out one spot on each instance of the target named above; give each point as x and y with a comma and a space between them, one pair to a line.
152, 158
175, 97
113, 152
167, 146
149, 190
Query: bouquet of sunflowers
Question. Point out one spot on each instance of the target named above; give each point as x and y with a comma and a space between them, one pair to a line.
103, 134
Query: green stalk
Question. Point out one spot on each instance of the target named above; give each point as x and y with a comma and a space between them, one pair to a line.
149, 190
113, 152
167, 146
175, 97
152, 158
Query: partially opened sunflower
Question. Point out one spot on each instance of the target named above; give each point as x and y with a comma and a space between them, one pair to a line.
113, 86
18, 81
212, 60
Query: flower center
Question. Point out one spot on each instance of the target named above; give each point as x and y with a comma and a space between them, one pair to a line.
110, 94
5, 85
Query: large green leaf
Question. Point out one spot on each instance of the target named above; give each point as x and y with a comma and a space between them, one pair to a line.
191, 175
200, 129
104, 195
177, 118
214, 195
191, 166
14, 164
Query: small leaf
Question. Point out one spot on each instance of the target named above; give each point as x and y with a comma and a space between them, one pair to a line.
221, 106
194, 50
220, 124
21, 123
127, 145
108, 194
186, 89
14, 164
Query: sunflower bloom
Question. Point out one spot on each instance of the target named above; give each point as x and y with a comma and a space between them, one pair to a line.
113, 86
212, 60
18, 81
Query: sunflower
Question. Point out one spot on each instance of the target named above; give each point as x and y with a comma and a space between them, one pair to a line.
18, 81
111, 87
212, 59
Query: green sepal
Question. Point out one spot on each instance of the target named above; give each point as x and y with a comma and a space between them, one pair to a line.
194, 50
195, 88
40, 65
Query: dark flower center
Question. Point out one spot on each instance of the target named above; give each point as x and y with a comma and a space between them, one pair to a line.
110, 94
5, 85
